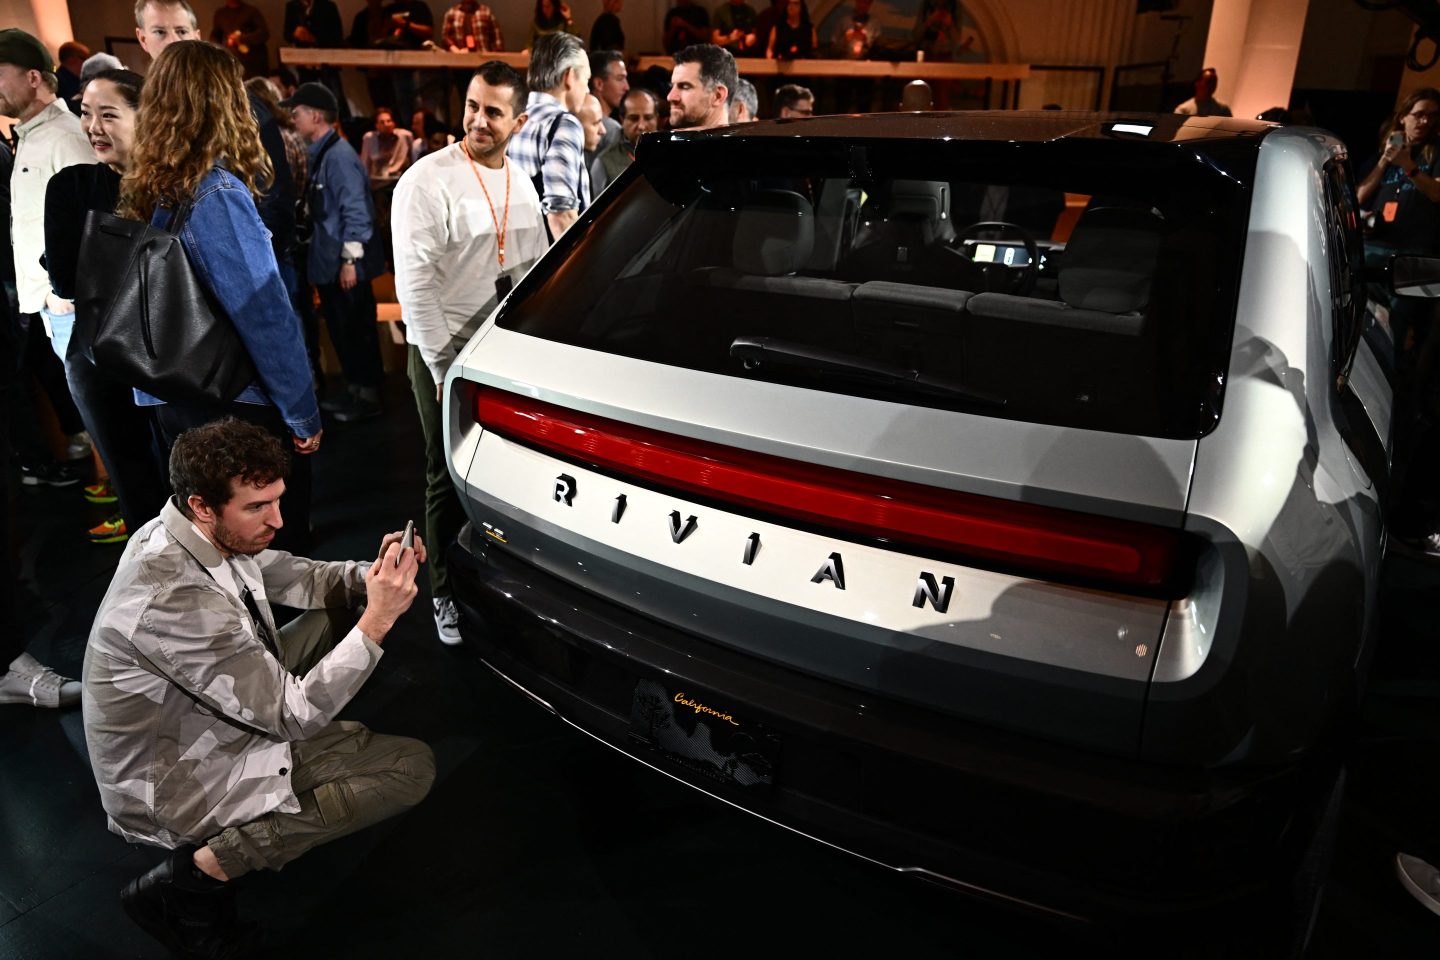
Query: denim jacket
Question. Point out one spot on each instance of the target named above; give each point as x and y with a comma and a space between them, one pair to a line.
341, 212
230, 250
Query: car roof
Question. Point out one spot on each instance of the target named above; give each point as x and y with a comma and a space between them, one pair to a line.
1034, 126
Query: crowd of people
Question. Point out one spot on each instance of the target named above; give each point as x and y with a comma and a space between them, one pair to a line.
288, 216
284, 221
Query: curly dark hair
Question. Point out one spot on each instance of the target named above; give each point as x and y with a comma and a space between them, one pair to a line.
205, 459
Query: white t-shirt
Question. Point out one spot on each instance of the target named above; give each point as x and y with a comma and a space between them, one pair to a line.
446, 250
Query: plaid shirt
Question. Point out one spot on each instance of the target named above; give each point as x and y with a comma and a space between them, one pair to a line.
550, 149
480, 23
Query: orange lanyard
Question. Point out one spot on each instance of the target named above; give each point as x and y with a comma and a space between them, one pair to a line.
502, 226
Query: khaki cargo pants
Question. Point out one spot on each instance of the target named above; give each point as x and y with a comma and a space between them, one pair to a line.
345, 777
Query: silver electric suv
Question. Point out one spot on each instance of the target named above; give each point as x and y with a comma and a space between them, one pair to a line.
994, 496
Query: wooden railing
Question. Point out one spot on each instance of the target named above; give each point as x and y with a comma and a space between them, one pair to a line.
749, 66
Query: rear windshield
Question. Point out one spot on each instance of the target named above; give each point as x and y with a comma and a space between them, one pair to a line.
1078, 283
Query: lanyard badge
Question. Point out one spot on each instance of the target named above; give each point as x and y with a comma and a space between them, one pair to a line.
502, 223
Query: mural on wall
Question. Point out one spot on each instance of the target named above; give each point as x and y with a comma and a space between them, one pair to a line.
899, 29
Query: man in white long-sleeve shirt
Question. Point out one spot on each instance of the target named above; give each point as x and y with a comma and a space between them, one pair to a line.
466, 226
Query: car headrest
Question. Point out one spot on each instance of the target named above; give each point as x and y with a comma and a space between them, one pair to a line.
1110, 259
920, 200
775, 234
924, 200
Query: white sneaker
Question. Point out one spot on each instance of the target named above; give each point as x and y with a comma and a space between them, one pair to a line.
447, 620
78, 446
31, 682
1421, 879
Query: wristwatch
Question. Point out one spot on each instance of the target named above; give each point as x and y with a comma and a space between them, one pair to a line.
346, 260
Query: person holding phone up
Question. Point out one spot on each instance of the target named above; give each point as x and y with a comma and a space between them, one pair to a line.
1402, 196
211, 730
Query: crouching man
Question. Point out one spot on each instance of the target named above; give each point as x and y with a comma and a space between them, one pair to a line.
211, 732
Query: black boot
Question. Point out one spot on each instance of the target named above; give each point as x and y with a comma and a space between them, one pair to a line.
191, 913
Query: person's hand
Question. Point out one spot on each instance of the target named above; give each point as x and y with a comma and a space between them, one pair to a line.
307, 445
58, 305
1402, 158
396, 537
389, 590
348, 276
233, 38
302, 34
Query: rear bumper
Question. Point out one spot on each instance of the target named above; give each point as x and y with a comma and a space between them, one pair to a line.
993, 814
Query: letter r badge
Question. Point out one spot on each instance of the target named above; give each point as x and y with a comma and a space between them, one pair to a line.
565, 489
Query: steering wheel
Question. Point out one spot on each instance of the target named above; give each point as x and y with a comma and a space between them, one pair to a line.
1000, 277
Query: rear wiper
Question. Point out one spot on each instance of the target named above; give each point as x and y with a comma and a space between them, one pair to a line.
757, 351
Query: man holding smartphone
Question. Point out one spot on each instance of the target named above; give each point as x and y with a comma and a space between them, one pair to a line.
211, 731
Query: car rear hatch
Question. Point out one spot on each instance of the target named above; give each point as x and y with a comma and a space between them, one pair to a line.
805, 416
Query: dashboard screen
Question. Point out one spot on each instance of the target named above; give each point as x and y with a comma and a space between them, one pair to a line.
1011, 255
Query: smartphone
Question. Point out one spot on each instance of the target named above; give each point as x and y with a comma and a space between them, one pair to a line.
407, 540
1397, 139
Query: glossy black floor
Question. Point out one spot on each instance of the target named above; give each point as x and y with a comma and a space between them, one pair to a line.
537, 842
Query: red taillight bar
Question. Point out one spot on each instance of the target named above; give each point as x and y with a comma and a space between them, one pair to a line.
1038, 538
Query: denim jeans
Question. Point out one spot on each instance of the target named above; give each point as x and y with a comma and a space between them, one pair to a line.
124, 436
60, 325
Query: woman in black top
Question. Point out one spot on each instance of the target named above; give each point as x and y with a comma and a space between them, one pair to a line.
793, 36
607, 33
120, 430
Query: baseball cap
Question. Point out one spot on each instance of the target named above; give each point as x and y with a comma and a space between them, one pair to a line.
24, 51
312, 94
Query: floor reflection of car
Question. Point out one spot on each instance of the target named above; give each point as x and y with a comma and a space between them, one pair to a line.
992, 496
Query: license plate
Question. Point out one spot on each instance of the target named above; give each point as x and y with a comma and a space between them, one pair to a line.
702, 734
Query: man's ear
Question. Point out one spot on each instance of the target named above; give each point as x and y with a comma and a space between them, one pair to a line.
199, 509
723, 92
519, 122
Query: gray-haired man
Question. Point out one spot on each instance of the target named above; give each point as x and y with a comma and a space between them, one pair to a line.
744, 102
550, 148
210, 731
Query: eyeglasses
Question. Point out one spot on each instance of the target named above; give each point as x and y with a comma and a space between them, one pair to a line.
1429, 115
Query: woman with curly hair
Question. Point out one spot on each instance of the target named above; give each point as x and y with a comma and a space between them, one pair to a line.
197, 145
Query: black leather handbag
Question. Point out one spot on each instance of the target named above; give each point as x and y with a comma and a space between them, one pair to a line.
146, 318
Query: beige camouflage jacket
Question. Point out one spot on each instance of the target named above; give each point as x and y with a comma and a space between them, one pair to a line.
188, 717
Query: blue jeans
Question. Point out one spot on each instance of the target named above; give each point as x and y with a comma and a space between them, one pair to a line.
60, 324
124, 436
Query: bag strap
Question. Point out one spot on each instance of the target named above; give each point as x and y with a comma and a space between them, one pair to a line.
179, 216
315, 168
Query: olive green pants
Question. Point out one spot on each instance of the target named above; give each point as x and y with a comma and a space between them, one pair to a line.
444, 516
345, 777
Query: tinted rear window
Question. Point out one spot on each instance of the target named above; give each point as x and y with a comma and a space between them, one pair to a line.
1078, 283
